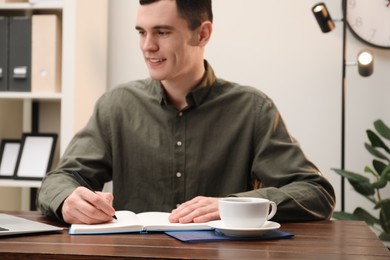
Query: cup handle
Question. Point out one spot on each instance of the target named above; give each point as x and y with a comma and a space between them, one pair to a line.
273, 210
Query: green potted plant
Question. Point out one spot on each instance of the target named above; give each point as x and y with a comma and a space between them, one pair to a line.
370, 183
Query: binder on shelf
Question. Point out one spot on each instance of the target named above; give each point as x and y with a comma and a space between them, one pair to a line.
46, 54
3, 53
19, 70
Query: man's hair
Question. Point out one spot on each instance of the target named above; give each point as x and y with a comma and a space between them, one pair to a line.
195, 12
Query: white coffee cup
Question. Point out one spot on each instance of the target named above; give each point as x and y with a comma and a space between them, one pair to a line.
244, 212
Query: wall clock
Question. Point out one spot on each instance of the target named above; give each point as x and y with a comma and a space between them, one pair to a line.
369, 21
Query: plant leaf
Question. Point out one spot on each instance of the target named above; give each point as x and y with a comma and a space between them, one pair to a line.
384, 215
384, 202
379, 166
369, 170
380, 184
364, 215
386, 172
382, 129
364, 188
341, 215
351, 175
360, 183
384, 236
375, 152
383, 180
376, 141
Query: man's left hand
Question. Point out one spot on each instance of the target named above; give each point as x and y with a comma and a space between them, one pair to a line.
199, 209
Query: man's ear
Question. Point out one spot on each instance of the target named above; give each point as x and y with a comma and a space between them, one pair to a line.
205, 31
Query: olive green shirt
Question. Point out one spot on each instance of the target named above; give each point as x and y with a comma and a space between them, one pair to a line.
227, 138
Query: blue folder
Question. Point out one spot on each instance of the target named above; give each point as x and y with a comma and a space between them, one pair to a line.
213, 236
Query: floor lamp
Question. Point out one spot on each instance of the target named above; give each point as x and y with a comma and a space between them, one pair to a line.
365, 64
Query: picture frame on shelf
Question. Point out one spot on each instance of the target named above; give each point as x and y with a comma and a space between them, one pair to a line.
35, 155
9, 152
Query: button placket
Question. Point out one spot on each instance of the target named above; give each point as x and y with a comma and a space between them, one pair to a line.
179, 160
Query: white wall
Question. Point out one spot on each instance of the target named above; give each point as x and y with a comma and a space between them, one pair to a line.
277, 46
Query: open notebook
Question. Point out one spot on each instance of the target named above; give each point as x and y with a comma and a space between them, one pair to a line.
12, 225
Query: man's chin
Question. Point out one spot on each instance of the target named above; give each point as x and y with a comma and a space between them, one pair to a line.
156, 76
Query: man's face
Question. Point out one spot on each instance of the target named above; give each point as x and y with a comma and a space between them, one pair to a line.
168, 45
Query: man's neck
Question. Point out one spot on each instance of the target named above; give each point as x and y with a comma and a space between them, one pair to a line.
177, 96
177, 90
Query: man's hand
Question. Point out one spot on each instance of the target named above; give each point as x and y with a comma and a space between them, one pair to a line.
199, 209
88, 207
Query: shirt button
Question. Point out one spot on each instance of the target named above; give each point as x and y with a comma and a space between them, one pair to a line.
178, 174
180, 114
179, 143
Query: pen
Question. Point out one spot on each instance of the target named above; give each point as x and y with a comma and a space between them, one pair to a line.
84, 183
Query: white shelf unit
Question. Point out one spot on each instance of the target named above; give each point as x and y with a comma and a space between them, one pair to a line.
47, 5
30, 96
20, 183
84, 72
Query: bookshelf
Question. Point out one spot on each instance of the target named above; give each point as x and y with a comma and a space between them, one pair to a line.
46, 5
20, 183
30, 96
83, 78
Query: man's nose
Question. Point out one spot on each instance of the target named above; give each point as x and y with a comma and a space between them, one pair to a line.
149, 44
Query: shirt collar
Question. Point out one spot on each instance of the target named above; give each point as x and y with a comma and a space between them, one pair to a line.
197, 96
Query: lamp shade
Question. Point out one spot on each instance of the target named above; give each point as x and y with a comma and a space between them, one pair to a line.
323, 17
365, 62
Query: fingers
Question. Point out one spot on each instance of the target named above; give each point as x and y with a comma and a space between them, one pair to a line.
85, 206
106, 196
199, 209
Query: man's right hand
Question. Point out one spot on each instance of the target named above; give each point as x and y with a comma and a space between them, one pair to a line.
87, 207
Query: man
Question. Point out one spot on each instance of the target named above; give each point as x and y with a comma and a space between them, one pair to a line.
183, 138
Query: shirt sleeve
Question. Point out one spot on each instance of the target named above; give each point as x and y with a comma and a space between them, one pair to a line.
285, 175
89, 152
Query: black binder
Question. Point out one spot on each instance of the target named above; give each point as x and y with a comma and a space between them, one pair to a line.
3, 53
19, 73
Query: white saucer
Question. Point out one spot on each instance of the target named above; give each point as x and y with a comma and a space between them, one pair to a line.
247, 232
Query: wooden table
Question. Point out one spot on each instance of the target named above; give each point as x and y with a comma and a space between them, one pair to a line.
328, 240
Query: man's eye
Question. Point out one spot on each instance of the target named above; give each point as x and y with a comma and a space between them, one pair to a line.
163, 33
141, 33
